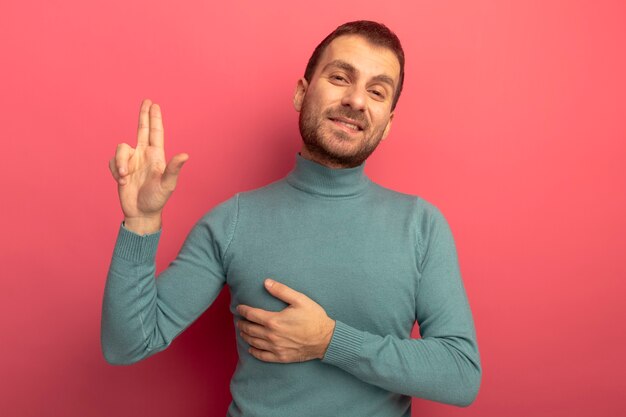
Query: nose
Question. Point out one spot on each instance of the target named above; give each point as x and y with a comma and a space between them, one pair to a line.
354, 97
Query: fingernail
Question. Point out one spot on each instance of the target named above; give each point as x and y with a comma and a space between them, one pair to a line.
269, 283
122, 170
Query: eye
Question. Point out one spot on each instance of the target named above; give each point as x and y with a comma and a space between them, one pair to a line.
378, 94
338, 78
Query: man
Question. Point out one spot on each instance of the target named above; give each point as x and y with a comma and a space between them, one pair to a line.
353, 265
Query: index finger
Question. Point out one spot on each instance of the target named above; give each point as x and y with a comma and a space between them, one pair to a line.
156, 126
255, 315
143, 131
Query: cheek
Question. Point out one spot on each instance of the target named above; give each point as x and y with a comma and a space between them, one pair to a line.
380, 119
327, 97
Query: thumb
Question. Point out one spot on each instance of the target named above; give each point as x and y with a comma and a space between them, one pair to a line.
283, 292
170, 175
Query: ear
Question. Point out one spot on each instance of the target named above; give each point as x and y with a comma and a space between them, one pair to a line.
298, 96
386, 131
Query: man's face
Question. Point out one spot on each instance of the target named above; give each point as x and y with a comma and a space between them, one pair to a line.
345, 110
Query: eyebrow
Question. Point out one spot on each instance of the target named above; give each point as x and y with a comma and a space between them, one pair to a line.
352, 70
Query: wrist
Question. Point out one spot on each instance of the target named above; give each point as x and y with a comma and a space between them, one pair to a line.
328, 335
143, 225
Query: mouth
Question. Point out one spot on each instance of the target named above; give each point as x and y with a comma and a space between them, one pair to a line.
347, 124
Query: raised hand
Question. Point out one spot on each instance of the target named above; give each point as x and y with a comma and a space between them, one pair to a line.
145, 181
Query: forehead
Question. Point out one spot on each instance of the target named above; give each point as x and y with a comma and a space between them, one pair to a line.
370, 60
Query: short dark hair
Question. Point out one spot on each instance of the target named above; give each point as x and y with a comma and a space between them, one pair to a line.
375, 33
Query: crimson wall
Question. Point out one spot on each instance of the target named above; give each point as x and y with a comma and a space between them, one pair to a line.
511, 122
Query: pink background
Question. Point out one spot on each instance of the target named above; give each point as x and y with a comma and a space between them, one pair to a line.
511, 122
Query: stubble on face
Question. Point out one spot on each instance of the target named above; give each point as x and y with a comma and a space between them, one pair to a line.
332, 145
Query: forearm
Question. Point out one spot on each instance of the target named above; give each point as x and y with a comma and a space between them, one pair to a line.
444, 369
129, 303
142, 313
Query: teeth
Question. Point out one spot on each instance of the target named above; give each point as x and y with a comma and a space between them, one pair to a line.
350, 125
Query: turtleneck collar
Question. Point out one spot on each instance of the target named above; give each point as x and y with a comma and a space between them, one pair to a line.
314, 178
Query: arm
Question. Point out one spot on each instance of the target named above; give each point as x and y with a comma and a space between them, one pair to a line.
444, 365
142, 315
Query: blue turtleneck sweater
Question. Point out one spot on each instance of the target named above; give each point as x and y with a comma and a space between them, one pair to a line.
375, 259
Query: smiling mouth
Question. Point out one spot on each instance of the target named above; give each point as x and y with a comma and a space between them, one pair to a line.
347, 125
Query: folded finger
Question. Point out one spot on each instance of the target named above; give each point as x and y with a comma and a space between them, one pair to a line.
122, 155
114, 172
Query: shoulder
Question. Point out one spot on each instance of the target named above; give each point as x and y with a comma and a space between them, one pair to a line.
225, 214
219, 222
423, 209
427, 217
223, 209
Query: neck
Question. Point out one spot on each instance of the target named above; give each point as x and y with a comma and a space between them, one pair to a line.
317, 179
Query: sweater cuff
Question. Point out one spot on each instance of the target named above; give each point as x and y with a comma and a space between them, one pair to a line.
344, 347
134, 247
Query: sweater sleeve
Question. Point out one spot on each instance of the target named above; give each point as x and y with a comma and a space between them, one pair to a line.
444, 365
142, 314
